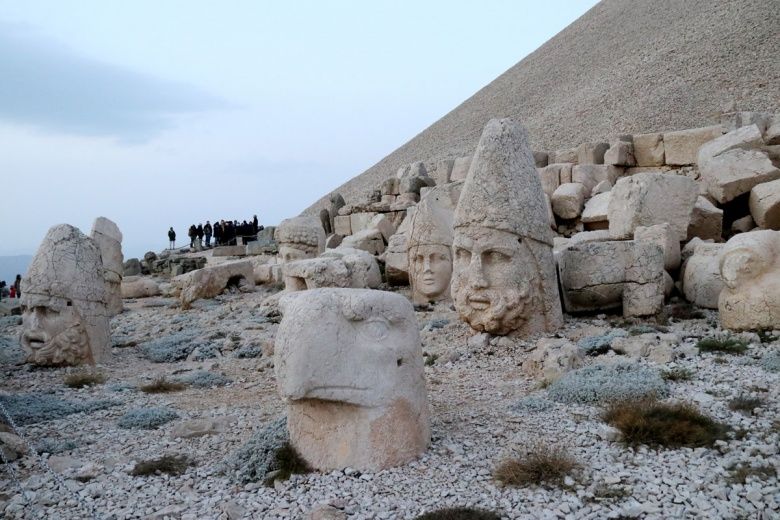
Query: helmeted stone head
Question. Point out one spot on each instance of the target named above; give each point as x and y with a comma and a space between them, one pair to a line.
503, 270
64, 315
299, 238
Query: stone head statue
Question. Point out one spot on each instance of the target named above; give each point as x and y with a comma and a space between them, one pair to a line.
349, 363
108, 238
750, 269
429, 248
503, 277
299, 238
64, 315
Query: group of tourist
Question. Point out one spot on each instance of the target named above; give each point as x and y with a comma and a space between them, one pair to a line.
14, 291
225, 233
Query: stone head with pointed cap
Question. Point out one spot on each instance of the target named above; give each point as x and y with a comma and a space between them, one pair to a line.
503, 279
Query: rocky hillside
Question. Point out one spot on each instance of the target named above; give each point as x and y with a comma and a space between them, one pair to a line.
626, 66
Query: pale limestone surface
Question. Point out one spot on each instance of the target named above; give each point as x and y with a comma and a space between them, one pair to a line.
395, 255
299, 238
750, 269
108, 238
139, 287
765, 204
621, 153
553, 175
503, 278
702, 282
591, 175
597, 208
599, 276
210, 281
552, 358
706, 220
568, 200
591, 153
369, 240
340, 267
349, 364
64, 313
655, 347
649, 149
460, 168
645, 199
662, 235
682, 147
429, 252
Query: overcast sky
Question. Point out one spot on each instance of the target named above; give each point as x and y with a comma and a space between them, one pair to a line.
158, 114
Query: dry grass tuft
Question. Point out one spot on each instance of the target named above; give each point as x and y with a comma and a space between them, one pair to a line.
168, 464
459, 513
542, 465
84, 378
677, 374
725, 344
745, 404
740, 474
663, 425
163, 386
289, 462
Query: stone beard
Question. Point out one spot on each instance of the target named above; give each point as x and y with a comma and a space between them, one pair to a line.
54, 337
290, 252
495, 282
430, 268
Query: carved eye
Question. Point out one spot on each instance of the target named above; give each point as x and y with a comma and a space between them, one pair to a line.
375, 330
463, 255
494, 257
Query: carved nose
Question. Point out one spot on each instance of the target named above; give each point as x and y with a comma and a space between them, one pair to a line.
476, 275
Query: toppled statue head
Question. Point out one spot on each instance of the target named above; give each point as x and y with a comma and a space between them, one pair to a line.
750, 269
503, 279
64, 314
349, 364
299, 238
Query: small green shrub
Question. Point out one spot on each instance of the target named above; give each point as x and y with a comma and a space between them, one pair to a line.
147, 418
542, 465
725, 344
288, 462
248, 352
34, 408
169, 464
771, 361
257, 457
595, 345
83, 378
740, 474
764, 336
169, 349
430, 359
205, 379
53, 447
676, 374
162, 386
608, 382
745, 404
663, 425
459, 513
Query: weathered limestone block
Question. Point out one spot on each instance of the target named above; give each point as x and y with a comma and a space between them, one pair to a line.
349, 365
662, 235
621, 153
566, 155
591, 153
343, 225
108, 238
299, 238
395, 255
369, 240
361, 221
503, 278
413, 184
552, 358
597, 208
404, 200
64, 313
646, 199
733, 120
553, 175
772, 134
706, 220
658, 348
460, 168
765, 204
442, 172
607, 275
702, 282
333, 241
590, 175
750, 269
735, 172
568, 200
743, 225
649, 150
601, 187
381, 223
139, 287
340, 267
682, 147
132, 267
744, 138
213, 280
390, 186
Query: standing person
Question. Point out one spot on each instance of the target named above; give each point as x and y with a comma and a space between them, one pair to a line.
172, 237
217, 233
255, 222
199, 232
192, 233
2, 289
18, 285
207, 231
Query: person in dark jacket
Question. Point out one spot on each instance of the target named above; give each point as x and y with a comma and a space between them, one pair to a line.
193, 234
172, 237
255, 222
217, 233
207, 231
18, 285
199, 233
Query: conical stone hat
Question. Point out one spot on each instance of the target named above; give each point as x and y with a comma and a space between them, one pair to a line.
502, 189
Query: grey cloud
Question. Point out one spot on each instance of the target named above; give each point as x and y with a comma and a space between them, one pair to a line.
53, 88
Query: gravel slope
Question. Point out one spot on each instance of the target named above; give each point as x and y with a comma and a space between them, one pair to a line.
625, 66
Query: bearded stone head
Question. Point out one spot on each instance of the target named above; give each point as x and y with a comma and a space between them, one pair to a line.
300, 238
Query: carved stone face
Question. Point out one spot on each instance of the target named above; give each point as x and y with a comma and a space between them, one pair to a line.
293, 252
431, 271
53, 334
492, 276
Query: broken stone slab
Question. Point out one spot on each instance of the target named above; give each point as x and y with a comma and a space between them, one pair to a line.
735, 172
597, 208
229, 251
750, 270
460, 168
552, 358
745, 138
601, 187
765, 204
702, 282
743, 225
565, 155
360, 221
390, 186
649, 149
139, 287
213, 280
646, 199
662, 235
568, 200
193, 428
591, 153
369, 240
598, 276
621, 153
682, 147
706, 220
733, 120
340, 267
655, 347
342, 225
553, 175
772, 134
442, 172
590, 175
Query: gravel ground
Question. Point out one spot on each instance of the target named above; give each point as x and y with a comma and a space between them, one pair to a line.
625, 66
472, 385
